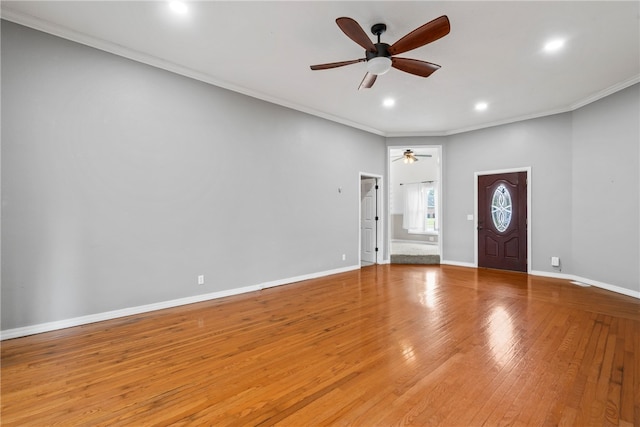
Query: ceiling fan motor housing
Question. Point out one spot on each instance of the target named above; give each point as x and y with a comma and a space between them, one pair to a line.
382, 51
378, 55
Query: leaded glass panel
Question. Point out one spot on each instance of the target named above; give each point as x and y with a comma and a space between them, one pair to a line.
501, 208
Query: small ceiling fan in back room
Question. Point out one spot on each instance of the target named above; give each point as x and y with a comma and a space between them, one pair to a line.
380, 56
409, 157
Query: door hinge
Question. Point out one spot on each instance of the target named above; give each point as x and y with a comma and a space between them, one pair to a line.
376, 218
377, 186
376, 249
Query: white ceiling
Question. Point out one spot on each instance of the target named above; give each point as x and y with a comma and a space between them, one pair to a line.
494, 53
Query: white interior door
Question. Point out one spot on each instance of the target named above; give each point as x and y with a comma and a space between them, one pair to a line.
368, 220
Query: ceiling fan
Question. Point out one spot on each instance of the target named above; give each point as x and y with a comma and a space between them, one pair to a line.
380, 56
409, 157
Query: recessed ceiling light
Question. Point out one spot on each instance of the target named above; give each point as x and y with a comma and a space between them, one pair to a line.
389, 102
481, 106
178, 7
554, 45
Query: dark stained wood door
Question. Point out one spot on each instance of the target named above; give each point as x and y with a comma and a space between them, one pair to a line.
502, 221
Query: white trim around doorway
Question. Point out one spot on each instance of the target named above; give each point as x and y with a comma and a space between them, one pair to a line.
440, 213
379, 207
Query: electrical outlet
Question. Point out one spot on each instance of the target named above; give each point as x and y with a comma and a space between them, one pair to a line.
555, 261
344, 257
201, 279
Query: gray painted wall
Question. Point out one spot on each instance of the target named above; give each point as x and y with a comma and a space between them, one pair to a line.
584, 180
606, 190
122, 182
544, 145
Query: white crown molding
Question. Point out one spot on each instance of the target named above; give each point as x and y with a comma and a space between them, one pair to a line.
576, 105
605, 92
66, 33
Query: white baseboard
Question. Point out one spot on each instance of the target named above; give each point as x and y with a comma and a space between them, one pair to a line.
571, 277
419, 242
108, 315
602, 285
290, 280
458, 263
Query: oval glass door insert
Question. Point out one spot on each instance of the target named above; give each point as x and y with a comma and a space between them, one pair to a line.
501, 208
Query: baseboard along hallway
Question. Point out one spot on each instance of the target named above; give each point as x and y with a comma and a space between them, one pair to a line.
386, 344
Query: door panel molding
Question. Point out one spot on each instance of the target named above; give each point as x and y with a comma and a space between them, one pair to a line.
476, 177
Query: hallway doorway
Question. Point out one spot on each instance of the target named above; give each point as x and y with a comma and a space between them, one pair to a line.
415, 204
370, 219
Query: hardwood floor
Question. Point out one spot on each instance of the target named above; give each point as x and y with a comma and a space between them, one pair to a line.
385, 345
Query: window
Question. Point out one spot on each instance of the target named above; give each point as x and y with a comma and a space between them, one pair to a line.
421, 207
501, 208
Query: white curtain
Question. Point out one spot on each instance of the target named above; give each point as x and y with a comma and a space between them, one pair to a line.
436, 225
414, 207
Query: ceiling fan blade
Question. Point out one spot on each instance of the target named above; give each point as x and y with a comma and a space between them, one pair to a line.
368, 81
336, 64
354, 31
395, 160
429, 32
414, 66
422, 155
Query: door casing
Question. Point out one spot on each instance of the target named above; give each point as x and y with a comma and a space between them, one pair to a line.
529, 202
379, 204
368, 236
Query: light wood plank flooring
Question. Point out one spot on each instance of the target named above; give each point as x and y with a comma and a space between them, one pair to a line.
384, 345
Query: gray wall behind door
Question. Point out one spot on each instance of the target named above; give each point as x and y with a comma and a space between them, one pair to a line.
585, 186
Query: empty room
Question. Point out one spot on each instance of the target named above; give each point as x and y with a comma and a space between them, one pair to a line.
320, 213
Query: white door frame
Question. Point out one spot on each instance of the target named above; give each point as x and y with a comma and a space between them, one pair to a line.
379, 205
476, 175
441, 219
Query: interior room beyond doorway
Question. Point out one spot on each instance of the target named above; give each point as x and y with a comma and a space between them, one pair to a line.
414, 204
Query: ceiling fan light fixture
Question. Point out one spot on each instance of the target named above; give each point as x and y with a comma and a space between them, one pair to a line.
378, 65
409, 157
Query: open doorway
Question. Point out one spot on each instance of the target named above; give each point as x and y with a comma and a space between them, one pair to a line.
415, 205
370, 219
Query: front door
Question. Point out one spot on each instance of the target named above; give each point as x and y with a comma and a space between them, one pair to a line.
502, 221
368, 220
